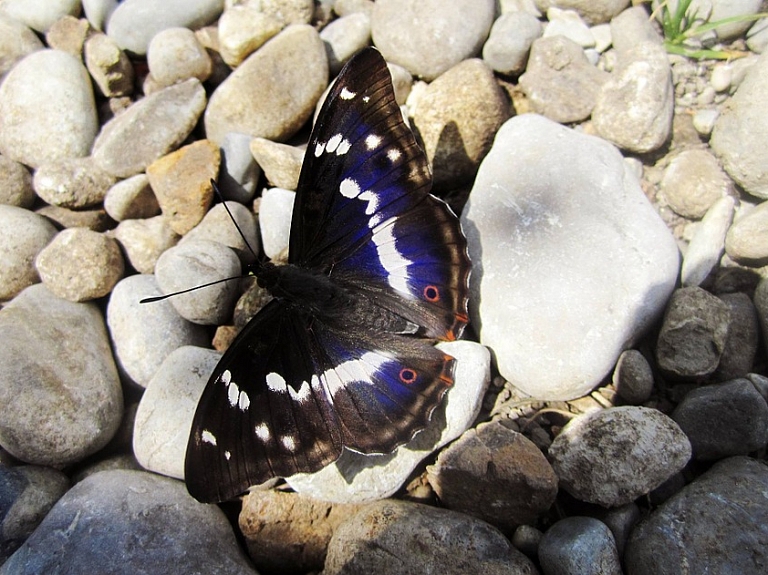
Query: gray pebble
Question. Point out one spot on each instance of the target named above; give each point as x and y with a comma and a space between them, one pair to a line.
243, 29
559, 80
633, 377
614, 456
631, 27
591, 12
217, 226
95, 219
22, 235
47, 109
175, 55
80, 264
579, 546
526, 539
144, 240
294, 62
108, 65
17, 42
345, 36
506, 50
143, 335
399, 537
621, 521
116, 510
693, 335
714, 525
98, 12
761, 304
747, 239
131, 198
275, 213
724, 419
415, 35
195, 263
40, 15
738, 356
757, 36
281, 163
289, 11
693, 182
568, 24
27, 493
347, 7
704, 121
72, 183
134, 23
708, 242
167, 407
149, 128
58, 408
239, 172
15, 184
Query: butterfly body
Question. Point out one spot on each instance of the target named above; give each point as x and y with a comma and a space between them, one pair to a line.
343, 356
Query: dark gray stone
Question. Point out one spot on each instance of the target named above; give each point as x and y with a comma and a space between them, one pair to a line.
579, 546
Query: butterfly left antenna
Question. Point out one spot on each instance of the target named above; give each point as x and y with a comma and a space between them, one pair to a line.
162, 297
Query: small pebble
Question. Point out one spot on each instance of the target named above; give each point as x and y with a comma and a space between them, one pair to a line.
568, 23
704, 121
693, 182
275, 213
131, 198
143, 241
95, 219
738, 356
239, 172
509, 43
69, 34
109, 66
747, 239
281, 163
18, 41
227, 226
579, 546
175, 55
345, 36
40, 16
15, 184
72, 183
633, 377
243, 29
708, 242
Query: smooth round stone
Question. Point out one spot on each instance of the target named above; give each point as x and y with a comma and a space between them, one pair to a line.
632, 27
747, 239
95, 219
635, 106
281, 163
693, 335
243, 29
345, 36
429, 37
358, 478
423, 539
16, 41
108, 65
131, 198
621, 521
560, 82
47, 110
579, 545
72, 183
633, 377
134, 23
724, 419
741, 344
289, 11
693, 182
69, 34
58, 407
714, 525
175, 54
80, 264
144, 241
166, 409
15, 184
506, 50
196, 263
740, 136
149, 128
98, 11
117, 509
614, 456
181, 181
569, 24
239, 173
22, 235
275, 213
143, 335
291, 71
455, 137
708, 242
28, 492
494, 474
704, 121
39, 15
548, 208
757, 37
220, 225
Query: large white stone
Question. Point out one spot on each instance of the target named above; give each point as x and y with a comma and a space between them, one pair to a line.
570, 262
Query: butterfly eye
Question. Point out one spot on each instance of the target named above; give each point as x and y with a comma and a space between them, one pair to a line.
431, 293
407, 375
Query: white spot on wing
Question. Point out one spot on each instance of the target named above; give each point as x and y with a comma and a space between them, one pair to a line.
333, 143
288, 442
393, 154
349, 188
343, 148
227, 455
303, 394
391, 260
372, 141
275, 382
233, 393
262, 432
243, 401
347, 94
208, 437
226, 377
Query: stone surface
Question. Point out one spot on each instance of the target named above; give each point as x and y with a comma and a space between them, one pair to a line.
724, 419
281, 163
507, 47
693, 335
16, 41
39, 16
143, 241
708, 242
131, 198
275, 213
399, 537
239, 173
47, 110
149, 128
716, 524
164, 416
633, 377
116, 510
693, 182
109, 66
591, 12
143, 335
747, 239
69, 34
291, 71
738, 356
545, 213
568, 23
175, 55
357, 478
345, 36
75, 183
58, 408
95, 219
221, 224
632, 27
243, 29
15, 184
494, 474
22, 235
614, 456
445, 117
80, 264
579, 545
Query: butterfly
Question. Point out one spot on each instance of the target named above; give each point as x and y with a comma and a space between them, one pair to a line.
343, 355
